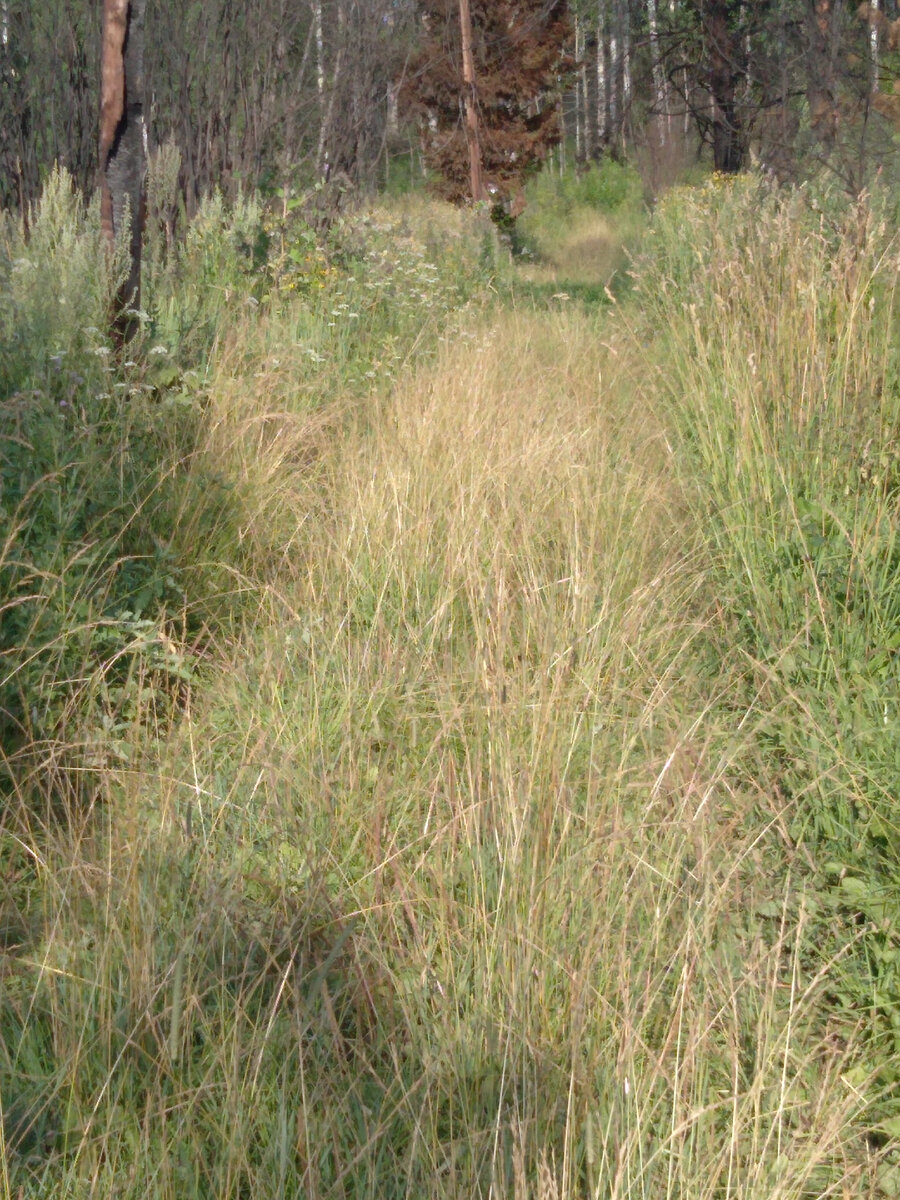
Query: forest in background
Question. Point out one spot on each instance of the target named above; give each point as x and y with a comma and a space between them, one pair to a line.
277, 93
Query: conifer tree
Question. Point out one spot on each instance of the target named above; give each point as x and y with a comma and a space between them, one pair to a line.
521, 63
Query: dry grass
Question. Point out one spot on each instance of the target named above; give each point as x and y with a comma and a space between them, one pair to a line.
588, 252
454, 878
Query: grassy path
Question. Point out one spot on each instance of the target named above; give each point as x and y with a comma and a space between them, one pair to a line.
465, 869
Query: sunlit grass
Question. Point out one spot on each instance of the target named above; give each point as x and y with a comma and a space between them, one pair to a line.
576, 230
469, 854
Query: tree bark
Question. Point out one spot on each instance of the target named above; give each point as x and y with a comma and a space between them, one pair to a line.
465, 22
122, 148
602, 79
660, 86
580, 94
725, 69
874, 14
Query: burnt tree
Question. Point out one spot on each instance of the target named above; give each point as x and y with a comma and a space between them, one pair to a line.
726, 69
511, 77
122, 149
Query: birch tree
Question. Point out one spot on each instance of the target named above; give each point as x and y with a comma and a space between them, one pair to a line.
660, 88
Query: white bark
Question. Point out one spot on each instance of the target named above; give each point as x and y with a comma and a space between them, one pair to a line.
748, 56
320, 49
661, 92
614, 69
585, 107
873, 44
602, 81
626, 60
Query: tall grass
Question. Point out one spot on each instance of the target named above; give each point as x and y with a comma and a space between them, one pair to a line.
465, 859
576, 228
778, 320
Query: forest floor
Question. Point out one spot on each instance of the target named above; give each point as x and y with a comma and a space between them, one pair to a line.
451, 707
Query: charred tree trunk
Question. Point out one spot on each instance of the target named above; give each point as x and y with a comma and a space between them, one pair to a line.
724, 72
122, 150
823, 34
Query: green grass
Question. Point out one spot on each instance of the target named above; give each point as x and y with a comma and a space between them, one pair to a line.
789, 417
576, 230
466, 764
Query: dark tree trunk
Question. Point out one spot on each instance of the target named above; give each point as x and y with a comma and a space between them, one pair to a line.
122, 154
725, 70
728, 149
823, 18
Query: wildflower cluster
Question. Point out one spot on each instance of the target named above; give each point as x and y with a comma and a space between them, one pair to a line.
390, 279
296, 259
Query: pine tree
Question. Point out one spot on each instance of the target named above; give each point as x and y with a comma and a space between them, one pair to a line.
521, 63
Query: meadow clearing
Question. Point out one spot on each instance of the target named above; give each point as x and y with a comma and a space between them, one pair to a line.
450, 705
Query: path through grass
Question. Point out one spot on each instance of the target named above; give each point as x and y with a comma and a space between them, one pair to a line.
472, 857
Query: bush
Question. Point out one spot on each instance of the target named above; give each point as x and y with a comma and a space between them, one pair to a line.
606, 187
55, 293
81, 573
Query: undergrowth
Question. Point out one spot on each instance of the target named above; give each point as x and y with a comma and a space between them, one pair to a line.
129, 483
778, 315
576, 229
448, 742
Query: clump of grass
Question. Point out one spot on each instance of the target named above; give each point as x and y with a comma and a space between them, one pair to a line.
55, 294
84, 574
777, 311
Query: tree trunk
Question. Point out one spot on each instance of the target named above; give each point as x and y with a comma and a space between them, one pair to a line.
660, 86
627, 87
465, 22
122, 148
580, 103
602, 80
874, 14
320, 84
619, 81
725, 70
